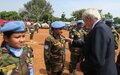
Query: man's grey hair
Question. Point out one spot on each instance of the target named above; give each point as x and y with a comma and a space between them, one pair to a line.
92, 12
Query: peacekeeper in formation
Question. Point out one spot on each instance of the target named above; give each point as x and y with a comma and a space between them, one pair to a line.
76, 34
54, 49
16, 58
109, 22
32, 31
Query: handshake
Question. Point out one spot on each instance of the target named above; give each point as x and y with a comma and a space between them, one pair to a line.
78, 42
68, 40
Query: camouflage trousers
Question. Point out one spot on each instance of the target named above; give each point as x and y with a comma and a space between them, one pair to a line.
75, 58
31, 35
55, 69
118, 68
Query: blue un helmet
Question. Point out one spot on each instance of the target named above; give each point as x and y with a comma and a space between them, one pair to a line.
58, 24
109, 21
80, 22
15, 26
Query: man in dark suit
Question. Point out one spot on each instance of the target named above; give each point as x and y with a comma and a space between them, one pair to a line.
99, 47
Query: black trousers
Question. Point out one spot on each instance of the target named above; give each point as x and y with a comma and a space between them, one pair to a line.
118, 68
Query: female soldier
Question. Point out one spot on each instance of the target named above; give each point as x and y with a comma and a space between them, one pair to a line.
15, 57
54, 49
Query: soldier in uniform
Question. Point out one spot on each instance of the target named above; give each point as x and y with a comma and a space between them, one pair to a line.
32, 30
109, 22
77, 34
16, 58
36, 27
54, 49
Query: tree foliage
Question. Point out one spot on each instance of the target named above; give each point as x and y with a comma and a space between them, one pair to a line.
37, 10
116, 20
108, 15
78, 14
10, 15
63, 16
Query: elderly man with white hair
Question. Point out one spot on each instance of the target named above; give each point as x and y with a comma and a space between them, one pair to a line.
99, 46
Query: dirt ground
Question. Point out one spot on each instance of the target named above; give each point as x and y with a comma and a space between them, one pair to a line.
38, 50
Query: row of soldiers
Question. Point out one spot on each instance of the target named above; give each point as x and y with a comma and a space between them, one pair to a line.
31, 28
54, 47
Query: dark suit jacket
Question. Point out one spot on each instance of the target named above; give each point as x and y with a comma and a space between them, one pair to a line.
99, 52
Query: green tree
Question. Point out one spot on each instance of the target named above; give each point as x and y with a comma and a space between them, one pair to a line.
56, 18
63, 16
108, 15
78, 14
37, 9
116, 20
71, 19
10, 15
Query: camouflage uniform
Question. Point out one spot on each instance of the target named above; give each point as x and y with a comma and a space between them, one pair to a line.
32, 30
54, 54
109, 22
36, 26
116, 37
75, 48
12, 65
117, 53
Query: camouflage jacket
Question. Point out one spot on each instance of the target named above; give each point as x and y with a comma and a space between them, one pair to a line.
12, 65
77, 37
116, 37
54, 53
31, 28
76, 34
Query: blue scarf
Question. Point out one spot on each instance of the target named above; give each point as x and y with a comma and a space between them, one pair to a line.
17, 52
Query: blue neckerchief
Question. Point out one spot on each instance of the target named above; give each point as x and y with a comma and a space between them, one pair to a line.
15, 51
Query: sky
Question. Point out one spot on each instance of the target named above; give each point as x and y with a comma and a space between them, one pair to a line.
67, 6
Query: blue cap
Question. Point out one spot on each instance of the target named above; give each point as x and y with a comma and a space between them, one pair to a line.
15, 26
80, 22
58, 24
109, 21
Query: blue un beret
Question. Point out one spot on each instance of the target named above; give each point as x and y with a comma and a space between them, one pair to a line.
15, 26
58, 24
80, 22
109, 21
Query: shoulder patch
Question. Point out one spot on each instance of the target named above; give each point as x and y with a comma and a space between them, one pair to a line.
46, 46
28, 54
